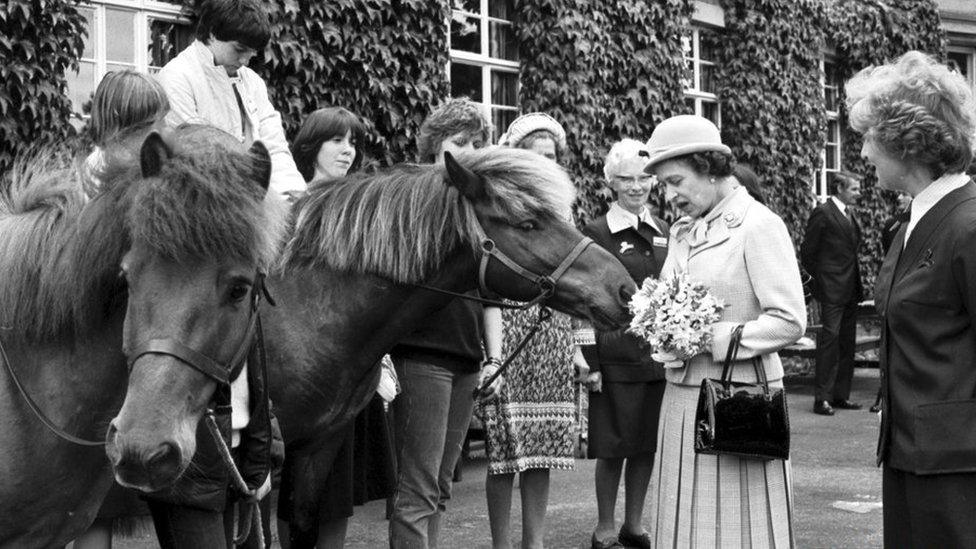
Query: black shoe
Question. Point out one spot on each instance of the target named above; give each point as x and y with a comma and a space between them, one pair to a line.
823, 408
610, 542
846, 405
876, 408
642, 541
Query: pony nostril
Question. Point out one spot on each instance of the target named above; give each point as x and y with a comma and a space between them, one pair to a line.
626, 292
164, 462
111, 444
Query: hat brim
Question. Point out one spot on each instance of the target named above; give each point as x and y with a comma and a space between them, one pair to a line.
667, 153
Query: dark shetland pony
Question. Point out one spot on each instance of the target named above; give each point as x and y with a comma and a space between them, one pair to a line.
345, 288
186, 225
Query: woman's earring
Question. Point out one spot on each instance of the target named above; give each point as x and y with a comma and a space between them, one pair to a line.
712, 179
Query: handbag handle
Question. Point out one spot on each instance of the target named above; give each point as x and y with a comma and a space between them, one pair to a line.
730, 358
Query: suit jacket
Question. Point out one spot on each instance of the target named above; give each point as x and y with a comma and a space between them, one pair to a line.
618, 355
743, 253
926, 295
829, 254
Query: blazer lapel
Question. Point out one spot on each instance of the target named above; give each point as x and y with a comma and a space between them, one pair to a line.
918, 241
886, 275
845, 224
718, 232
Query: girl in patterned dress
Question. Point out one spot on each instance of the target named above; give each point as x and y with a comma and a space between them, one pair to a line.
531, 419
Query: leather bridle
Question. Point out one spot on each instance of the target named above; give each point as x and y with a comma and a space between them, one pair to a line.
223, 374
546, 284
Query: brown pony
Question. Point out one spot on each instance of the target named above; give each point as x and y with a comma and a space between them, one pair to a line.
83, 279
346, 285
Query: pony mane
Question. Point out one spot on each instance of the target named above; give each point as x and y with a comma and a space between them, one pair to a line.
403, 222
60, 251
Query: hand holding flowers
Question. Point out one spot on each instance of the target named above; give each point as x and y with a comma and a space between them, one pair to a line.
675, 317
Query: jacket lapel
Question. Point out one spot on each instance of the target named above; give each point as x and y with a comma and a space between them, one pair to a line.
882, 284
846, 225
918, 241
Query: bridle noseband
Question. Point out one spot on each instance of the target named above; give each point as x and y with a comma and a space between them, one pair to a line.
223, 374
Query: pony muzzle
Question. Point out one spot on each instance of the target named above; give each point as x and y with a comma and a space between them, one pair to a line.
143, 465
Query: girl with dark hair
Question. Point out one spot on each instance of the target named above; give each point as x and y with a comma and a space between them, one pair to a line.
329, 144
327, 147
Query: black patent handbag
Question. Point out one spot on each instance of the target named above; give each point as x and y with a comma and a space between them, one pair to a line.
748, 420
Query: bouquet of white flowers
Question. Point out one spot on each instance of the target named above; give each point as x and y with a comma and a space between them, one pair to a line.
675, 317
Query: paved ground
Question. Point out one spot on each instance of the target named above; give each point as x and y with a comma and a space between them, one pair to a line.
837, 487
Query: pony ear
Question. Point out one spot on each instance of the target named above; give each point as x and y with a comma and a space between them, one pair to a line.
154, 153
261, 163
464, 180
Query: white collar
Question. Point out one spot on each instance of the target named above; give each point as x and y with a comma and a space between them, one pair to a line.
840, 205
931, 195
619, 219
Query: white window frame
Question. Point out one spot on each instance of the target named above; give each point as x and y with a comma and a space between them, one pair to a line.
694, 91
485, 62
142, 11
820, 189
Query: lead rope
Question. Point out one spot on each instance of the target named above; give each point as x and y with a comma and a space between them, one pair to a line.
254, 516
544, 315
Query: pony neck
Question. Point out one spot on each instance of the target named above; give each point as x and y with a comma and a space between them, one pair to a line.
330, 330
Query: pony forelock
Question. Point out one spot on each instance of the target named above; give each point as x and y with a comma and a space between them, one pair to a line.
403, 222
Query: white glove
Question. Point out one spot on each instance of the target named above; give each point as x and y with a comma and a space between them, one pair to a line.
389, 386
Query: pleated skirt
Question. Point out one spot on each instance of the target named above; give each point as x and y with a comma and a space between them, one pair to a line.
713, 501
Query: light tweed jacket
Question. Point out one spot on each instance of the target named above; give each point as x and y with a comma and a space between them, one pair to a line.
743, 253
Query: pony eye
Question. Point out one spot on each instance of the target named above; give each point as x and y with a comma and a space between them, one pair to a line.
528, 225
239, 292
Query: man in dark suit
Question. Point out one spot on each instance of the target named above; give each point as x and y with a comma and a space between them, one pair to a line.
829, 254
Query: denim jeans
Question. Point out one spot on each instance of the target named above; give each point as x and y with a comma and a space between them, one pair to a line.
181, 527
431, 418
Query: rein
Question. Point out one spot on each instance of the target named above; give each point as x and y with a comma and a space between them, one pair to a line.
544, 315
38, 413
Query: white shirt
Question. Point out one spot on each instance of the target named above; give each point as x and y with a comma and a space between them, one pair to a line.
619, 219
840, 205
931, 195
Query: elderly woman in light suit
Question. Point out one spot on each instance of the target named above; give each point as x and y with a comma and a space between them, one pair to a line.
918, 119
742, 252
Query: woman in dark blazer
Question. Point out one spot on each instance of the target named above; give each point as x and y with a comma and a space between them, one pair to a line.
918, 121
626, 385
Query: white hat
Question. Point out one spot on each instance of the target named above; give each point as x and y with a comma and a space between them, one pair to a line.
684, 134
530, 122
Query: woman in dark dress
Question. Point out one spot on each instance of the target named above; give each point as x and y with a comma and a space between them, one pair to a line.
327, 147
626, 385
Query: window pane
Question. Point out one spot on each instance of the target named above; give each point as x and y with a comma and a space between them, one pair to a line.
502, 9
502, 41
119, 36
89, 16
833, 131
959, 62
466, 80
465, 34
708, 46
81, 87
166, 40
689, 106
473, 6
504, 88
831, 158
708, 73
830, 98
710, 111
501, 119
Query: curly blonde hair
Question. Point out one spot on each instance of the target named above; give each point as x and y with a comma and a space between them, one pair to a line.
456, 115
916, 109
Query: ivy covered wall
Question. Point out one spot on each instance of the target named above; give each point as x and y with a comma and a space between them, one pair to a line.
605, 70
865, 34
39, 41
768, 82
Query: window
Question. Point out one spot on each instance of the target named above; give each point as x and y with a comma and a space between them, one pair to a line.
484, 57
831, 156
699, 50
963, 61
125, 34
